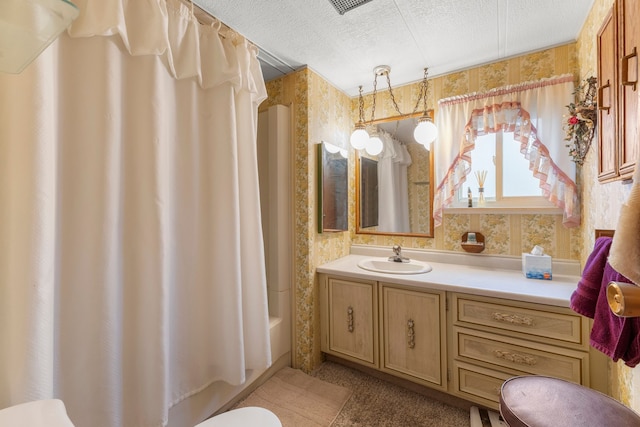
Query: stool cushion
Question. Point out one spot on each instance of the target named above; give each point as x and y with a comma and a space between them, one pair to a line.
538, 401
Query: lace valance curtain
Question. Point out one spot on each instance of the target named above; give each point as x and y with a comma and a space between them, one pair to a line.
534, 112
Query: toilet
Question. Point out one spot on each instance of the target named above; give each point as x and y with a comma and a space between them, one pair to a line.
52, 413
243, 417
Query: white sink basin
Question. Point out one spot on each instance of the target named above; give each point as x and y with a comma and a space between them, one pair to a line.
383, 265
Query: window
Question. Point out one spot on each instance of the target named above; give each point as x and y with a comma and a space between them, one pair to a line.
509, 182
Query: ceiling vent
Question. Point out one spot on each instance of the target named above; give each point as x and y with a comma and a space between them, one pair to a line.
343, 6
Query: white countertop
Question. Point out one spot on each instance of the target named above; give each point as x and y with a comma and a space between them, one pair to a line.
493, 276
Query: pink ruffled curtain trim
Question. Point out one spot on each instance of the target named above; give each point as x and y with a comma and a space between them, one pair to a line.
509, 116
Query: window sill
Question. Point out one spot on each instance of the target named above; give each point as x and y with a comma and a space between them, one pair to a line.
509, 210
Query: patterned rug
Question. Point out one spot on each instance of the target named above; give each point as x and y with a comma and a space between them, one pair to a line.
378, 403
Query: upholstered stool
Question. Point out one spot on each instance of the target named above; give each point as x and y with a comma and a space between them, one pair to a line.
538, 401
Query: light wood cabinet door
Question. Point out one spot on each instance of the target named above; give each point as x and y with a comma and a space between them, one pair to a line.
607, 99
618, 130
628, 38
352, 320
413, 335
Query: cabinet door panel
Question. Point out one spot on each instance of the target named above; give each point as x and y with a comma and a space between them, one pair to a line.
629, 36
412, 333
352, 320
607, 100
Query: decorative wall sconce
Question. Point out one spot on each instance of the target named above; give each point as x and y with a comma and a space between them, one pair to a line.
581, 120
424, 133
27, 27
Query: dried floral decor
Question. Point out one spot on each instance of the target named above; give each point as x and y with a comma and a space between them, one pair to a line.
580, 123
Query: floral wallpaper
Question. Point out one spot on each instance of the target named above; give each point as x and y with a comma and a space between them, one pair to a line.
418, 177
534, 66
321, 112
601, 202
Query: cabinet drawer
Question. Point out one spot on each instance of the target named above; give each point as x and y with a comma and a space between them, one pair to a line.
517, 354
477, 384
564, 327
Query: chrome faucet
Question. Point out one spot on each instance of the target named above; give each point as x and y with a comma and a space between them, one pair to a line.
397, 250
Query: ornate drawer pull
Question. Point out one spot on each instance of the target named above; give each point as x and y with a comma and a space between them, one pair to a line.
513, 319
521, 359
350, 319
411, 335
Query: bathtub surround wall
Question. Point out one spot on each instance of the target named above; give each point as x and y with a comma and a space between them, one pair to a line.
132, 269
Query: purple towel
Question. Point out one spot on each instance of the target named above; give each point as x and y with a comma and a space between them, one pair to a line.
617, 337
585, 297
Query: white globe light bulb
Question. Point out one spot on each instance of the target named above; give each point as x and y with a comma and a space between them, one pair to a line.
330, 147
426, 132
374, 146
359, 138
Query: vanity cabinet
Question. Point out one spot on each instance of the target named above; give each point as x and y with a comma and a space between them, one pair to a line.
350, 319
462, 344
495, 339
413, 334
618, 130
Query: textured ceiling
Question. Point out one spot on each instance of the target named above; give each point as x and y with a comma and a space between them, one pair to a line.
407, 35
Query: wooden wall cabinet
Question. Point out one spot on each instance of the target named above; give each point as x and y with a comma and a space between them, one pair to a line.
618, 130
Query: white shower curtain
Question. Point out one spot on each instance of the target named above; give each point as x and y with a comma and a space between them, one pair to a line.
131, 259
393, 190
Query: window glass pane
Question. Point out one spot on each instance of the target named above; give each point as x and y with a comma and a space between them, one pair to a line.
518, 179
483, 158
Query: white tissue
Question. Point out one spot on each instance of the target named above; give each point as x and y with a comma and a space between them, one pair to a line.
537, 250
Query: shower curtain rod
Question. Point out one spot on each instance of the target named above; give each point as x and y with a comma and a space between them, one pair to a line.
205, 18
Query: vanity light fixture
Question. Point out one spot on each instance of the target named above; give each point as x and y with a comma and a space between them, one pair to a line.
359, 137
374, 145
424, 133
27, 27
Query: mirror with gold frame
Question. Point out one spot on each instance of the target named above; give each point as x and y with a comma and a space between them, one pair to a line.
394, 190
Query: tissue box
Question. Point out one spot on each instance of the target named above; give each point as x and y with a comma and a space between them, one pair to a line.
536, 266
